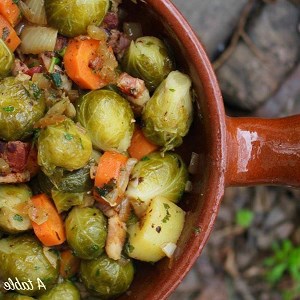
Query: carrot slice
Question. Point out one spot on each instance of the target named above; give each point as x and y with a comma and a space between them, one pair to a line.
10, 11
77, 58
8, 34
52, 231
69, 264
108, 174
140, 146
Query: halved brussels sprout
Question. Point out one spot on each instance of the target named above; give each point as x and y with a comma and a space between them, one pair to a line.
157, 175
13, 200
108, 119
147, 58
22, 103
168, 114
72, 17
62, 291
107, 277
6, 59
86, 230
63, 145
22, 257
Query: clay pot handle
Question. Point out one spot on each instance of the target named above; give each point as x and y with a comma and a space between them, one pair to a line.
263, 151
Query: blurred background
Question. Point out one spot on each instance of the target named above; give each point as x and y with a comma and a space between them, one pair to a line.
254, 250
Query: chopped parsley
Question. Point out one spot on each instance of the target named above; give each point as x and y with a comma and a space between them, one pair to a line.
36, 91
9, 108
129, 248
106, 188
94, 248
68, 136
16, 1
197, 230
172, 90
168, 215
18, 218
145, 158
56, 79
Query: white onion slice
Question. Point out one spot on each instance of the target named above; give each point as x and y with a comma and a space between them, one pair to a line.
188, 186
34, 11
194, 163
169, 249
51, 256
36, 40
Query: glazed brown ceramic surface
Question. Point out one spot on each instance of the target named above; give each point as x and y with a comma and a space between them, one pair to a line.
232, 151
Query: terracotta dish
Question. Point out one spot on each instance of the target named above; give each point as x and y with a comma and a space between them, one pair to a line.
233, 151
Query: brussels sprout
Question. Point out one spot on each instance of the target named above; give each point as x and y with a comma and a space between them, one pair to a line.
13, 199
65, 200
108, 119
6, 59
15, 296
147, 58
168, 114
86, 230
21, 105
72, 17
62, 291
157, 175
105, 276
63, 145
23, 258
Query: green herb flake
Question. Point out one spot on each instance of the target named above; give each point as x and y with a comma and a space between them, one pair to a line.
5, 33
36, 91
54, 61
56, 79
16, 1
197, 230
95, 248
145, 158
129, 248
172, 90
168, 215
18, 218
68, 136
9, 108
106, 188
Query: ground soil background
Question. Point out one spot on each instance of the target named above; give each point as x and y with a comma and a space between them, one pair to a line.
255, 49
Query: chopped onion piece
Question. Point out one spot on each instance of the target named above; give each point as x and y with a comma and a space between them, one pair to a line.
34, 11
169, 249
188, 186
37, 39
96, 33
194, 163
51, 256
37, 215
41, 81
133, 30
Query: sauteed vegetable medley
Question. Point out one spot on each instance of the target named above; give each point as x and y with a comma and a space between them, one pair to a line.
91, 111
